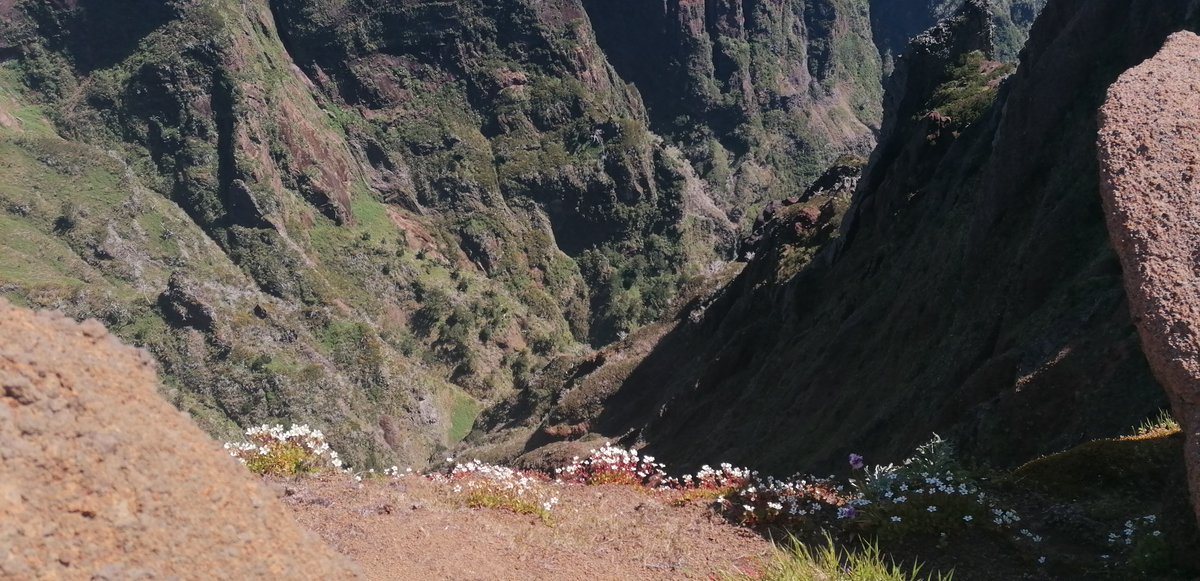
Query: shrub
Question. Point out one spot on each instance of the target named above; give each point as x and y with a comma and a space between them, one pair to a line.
797, 503
489, 486
272, 451
970, 89
930, 493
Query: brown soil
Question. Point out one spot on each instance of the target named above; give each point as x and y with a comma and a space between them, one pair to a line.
100, 478
412, 528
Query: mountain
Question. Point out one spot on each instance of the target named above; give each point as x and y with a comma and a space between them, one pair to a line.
969, 288
383, 216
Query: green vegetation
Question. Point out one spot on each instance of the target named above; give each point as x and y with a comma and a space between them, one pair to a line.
272, 451
1162, 425
85, 233
970, 90
799, 562
463, 411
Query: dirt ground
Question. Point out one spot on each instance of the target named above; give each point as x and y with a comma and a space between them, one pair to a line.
100, 478
412, 528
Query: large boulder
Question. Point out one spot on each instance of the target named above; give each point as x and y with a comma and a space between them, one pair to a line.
100, 478
1150, 173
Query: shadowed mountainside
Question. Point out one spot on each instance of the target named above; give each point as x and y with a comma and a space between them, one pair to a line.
972, 292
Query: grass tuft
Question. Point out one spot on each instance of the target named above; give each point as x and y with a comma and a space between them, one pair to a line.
1160, 426
800, 562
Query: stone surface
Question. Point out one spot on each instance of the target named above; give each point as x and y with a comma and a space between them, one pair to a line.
1150, 167
100, 478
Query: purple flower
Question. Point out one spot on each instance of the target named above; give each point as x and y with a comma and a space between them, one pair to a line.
856, 462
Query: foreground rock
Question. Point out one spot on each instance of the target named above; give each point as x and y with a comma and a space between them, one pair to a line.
102, 479
1150, 171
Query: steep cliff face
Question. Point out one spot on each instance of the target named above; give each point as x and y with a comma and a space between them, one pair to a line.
760, 96
181, 182
894, 22
973, 291
509, 117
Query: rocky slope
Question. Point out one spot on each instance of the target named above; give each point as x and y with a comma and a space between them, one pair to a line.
972, 291
105, 480
81, 415
1149, 159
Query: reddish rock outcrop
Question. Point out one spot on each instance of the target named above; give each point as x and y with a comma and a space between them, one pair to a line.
1150, 174
100, 478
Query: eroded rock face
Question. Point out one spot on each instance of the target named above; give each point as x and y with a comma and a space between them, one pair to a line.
100, 478
1150, 176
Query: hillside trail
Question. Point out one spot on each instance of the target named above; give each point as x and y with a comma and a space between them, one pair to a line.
413, 528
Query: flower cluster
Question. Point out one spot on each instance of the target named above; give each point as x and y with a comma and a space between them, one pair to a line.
614, 465
710, 484
395, 472
1134, 528
930, 501
490, 486
929, 493
724, 478
1139, 545
274, 451
795, 503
